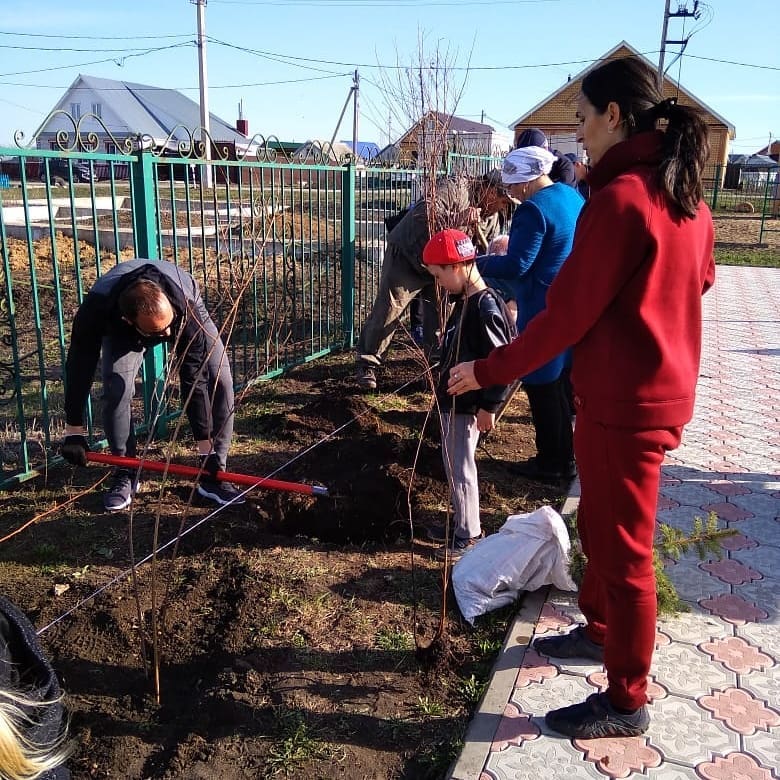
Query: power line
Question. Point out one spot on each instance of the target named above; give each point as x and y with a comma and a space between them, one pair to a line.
179, 89
381, 3
97, 37
95, 62
64, 48
732, 62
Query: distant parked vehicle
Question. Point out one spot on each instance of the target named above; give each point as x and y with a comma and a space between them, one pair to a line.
58, 171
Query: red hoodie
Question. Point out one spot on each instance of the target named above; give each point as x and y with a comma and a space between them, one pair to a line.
628, 299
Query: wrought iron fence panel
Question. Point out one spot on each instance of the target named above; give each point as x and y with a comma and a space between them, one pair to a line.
60, 231
288, 256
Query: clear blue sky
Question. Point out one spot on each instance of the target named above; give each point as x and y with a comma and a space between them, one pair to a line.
291, 61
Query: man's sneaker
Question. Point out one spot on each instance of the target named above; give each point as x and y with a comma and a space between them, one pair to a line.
457, 549
596, 718
221, 492
574, 644
436, 532
365, 376
119, 495
532, 469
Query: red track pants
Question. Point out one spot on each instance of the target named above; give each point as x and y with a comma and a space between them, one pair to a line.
620, 471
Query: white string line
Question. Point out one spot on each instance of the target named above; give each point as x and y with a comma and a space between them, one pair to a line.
123, 575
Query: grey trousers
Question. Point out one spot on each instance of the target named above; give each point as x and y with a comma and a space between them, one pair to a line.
459, 437
120, 366
399, 283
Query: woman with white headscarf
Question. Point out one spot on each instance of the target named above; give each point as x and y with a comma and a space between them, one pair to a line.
540, 239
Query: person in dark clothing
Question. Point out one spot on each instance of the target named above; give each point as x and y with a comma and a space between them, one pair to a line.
32, 718
136, 305
476, 203
580, 175
478, 323
562, 169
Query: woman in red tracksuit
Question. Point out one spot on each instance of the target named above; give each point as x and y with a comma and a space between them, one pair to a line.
628, 301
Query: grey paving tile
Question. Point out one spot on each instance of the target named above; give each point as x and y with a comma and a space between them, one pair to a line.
765, 636
694, 627
684, 732
684, 670
693, 584
765, 505
548, 758
560, 691
765, 746
691, 494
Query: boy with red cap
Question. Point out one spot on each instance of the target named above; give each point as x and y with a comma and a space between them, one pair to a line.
478, 323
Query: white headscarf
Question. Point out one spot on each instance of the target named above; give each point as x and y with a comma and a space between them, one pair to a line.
526, 164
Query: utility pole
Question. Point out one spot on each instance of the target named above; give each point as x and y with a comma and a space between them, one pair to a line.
355, 113
205, 133
682, 12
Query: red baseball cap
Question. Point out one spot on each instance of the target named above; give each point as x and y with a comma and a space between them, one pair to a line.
449, 247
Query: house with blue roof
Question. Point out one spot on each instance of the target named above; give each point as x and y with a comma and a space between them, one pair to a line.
156, 117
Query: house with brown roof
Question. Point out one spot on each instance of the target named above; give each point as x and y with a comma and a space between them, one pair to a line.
771, 150
441, 133
555, 114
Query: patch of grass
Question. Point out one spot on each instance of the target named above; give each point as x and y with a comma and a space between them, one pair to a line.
434, 762
471, 690
429, 707
393, 639
758, 257
46, 554
295, 745
388, 402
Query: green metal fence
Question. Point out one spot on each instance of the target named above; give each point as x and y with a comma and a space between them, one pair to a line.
731, 189
287, 255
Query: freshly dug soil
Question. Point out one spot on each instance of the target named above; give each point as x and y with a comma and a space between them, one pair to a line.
294, 635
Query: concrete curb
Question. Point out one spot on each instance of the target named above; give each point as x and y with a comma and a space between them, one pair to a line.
487, 718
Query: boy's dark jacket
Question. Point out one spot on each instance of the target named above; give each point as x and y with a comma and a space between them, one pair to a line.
486, 324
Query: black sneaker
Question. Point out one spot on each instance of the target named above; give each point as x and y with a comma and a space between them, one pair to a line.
365, 376
574, 644
457, 549
119, 495
596, 718
531, 469
436, 532
222, 493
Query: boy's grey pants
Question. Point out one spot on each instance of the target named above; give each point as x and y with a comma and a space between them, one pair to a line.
120, 366
459, 437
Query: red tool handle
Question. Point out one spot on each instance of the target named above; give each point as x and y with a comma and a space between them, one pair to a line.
193, 471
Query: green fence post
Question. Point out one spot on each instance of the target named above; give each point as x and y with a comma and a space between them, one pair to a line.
144, 209
348, 255
716, 188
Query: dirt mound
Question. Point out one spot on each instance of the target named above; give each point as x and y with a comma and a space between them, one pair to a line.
287, 636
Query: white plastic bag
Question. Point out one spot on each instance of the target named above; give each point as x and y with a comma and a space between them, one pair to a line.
529, 551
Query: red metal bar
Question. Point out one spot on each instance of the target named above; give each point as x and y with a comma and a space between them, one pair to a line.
193, 471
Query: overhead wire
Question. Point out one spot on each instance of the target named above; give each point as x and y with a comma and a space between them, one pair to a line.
97, 62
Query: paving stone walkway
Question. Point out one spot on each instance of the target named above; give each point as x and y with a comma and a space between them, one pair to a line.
715, 682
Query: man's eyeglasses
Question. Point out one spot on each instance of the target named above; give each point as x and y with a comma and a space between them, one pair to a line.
159, 334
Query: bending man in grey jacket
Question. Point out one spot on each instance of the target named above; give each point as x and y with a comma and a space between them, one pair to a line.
136, 305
